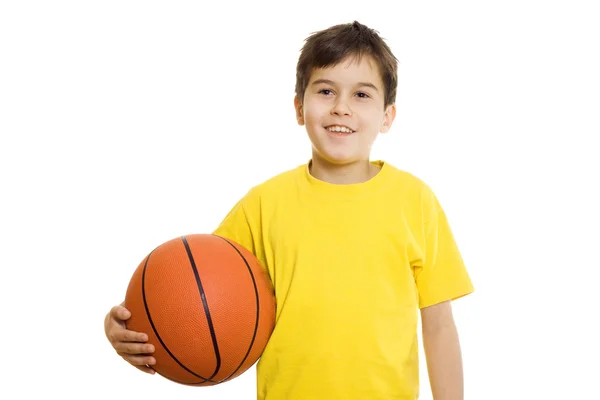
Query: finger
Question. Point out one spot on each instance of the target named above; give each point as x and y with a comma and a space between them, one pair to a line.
133, 348
126, 335
120, 312
139, 360
145, 369
117, 334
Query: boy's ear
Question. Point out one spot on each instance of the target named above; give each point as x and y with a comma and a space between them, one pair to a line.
388, 119
299, 111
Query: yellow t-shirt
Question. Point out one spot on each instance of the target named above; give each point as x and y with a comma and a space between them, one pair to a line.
351, 266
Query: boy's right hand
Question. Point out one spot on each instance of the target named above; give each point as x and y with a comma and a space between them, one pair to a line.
128, 344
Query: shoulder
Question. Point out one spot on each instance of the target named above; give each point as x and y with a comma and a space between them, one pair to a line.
275, 184
405, 176
410, 183
415, 194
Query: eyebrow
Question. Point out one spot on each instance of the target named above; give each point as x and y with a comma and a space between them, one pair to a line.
330, 82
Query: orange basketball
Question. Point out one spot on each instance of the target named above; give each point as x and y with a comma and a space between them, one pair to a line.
207, 306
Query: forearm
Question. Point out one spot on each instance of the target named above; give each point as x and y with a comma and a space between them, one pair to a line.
444, 363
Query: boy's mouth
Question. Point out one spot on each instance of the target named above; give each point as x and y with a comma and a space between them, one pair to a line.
339, 130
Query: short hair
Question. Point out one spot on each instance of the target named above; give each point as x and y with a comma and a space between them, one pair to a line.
331, 46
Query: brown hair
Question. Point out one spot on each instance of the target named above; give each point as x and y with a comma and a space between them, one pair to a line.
332, 45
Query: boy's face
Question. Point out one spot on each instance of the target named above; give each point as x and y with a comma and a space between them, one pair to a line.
348, 95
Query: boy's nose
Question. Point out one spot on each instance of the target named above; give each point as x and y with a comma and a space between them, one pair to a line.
341, 108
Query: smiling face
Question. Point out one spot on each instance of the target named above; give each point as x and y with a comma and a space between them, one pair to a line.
343, 110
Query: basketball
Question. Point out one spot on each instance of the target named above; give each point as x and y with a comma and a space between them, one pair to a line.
207, 306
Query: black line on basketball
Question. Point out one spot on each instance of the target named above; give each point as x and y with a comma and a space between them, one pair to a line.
206, 309
257, 307
156, 331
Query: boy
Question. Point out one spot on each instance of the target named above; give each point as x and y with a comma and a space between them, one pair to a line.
353, 247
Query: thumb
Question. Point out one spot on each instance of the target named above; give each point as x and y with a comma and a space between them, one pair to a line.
122, 313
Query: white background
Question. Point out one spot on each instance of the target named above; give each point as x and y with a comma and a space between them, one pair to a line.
127, 123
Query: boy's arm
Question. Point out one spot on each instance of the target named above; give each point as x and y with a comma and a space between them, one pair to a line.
442, 351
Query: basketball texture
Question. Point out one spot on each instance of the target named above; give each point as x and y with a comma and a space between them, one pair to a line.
207, 306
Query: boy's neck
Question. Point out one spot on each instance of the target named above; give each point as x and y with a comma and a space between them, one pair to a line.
356, 172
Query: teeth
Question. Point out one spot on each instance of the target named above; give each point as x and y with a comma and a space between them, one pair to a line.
339, 129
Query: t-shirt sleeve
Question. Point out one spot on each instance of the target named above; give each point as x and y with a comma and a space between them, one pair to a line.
242, 224
236, 225
442, 274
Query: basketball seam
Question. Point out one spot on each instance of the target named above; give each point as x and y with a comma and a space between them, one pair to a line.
156, 330
256, 294
206, 308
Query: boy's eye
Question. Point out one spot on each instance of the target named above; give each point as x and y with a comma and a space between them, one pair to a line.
328, 92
